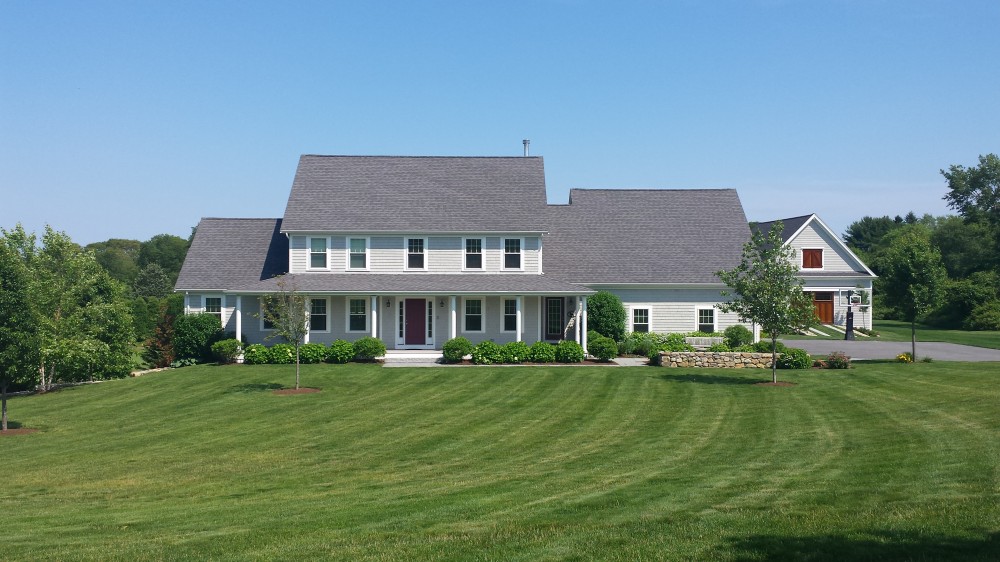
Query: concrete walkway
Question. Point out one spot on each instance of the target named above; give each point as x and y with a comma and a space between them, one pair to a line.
890, 349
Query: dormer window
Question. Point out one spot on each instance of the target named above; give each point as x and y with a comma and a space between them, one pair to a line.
473, 253
415, 253
357, 253
812, 258
317, 253
512, 253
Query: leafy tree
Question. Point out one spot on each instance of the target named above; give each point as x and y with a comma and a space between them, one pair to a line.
118, 257
765, 289
606, 315
18, 348
912, 277
167, 251
865, 235
975, 193
287, 311
962, 249
152, 281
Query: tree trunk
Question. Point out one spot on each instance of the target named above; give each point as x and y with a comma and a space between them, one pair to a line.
296, 367
913, 340
3, 417
774, 359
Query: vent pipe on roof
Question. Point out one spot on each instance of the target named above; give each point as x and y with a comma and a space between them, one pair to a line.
526, 142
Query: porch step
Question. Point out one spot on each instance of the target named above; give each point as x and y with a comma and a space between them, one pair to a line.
404, 356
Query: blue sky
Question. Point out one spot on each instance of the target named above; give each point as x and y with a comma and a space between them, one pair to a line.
128, 119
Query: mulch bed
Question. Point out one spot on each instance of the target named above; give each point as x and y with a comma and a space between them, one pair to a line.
18, 431
779, 383
468, 362
303, 390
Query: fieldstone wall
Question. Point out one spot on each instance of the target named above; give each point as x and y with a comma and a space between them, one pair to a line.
715, 359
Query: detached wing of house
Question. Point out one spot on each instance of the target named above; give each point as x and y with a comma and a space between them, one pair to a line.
829, 270
418, 250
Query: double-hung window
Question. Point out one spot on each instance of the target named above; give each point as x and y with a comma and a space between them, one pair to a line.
812, 258
706, 320
512, 253
213, 306
317, 315
317, 253
473, 253
357, 315
473, 315
640, 320
357, 257
510, 315
415, 253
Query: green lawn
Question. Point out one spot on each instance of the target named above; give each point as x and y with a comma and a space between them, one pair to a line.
895, 330
885, 461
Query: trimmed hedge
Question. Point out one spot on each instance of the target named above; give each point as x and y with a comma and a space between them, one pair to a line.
281, 354
542, 352
341, 351
486, 353
312, 353
226, 351
569, 351
256, 354
514, 352
738, 335
604, 349
194, 335
794, 358
455, 349
368, 348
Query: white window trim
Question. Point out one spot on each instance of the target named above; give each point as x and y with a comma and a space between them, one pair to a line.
406, 253
327, 330
631, 316
368, 253
802, 258
503, 316
482, 253
260, 311
482, 314
309, 253
503, 253
715, 316
222, 306
347, 315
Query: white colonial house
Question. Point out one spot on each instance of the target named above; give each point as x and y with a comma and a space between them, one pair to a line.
418, 250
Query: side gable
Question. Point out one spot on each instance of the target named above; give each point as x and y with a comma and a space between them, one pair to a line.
226, 253
810, 232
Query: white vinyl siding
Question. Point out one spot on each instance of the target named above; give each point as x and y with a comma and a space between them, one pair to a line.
813, 237
298, 254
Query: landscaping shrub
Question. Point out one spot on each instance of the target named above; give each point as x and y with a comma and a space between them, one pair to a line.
226, 351
194, 335
738, 335
312, 353
593, 335
764, 346
341, 351
542, 352
675, 342
515, 352
703, 335
569, 351
455, 349
984, 317
368, 348
281, 354
719, 348
486, 353
256, 354
905, 357
177, 364
794, 358
838, 360
606, 315
640, 343
604, 349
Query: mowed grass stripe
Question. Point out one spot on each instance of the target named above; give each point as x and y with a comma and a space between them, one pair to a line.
508, 464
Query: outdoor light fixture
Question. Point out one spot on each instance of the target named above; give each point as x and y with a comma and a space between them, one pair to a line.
442, 303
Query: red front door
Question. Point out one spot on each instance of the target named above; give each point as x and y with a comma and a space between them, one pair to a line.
415, 317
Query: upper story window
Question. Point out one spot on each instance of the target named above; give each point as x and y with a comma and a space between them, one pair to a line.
640, 320
812, 258
415, 258
213, 305
357, 253
317, 253
473, 253
512, 253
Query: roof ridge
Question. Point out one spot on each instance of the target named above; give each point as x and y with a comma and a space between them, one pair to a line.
418, 156
619, 189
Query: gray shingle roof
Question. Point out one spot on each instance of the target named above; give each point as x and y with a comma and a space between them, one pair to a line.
416, 194
608, 236
229, 252
789, 226
420, 283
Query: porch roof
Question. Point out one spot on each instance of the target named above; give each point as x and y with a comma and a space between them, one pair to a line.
426, 284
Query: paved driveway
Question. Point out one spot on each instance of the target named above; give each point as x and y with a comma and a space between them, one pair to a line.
890, 349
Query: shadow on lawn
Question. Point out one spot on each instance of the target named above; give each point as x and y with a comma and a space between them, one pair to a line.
709, 379
254, 387
876, 545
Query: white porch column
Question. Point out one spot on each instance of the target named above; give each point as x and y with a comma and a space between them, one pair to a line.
453, 325
239, 317
187, 310
583, 324
576, 323
308, 309
541, 305
517, 306
374, 316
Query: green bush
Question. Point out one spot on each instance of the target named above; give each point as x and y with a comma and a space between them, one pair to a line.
487, 353
640, 343
341, 351
604, 349
515, 352
568, 351
281, 354
838, 360
720, 348
368, 348
455, 349
183, 363
194, 335
984, 317
675, 342
764, 346
256, 354
312, 353
542, 352
226, 351
794, 358
606, 315
737, 335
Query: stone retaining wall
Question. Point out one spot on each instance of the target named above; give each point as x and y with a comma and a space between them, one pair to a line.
715, 359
